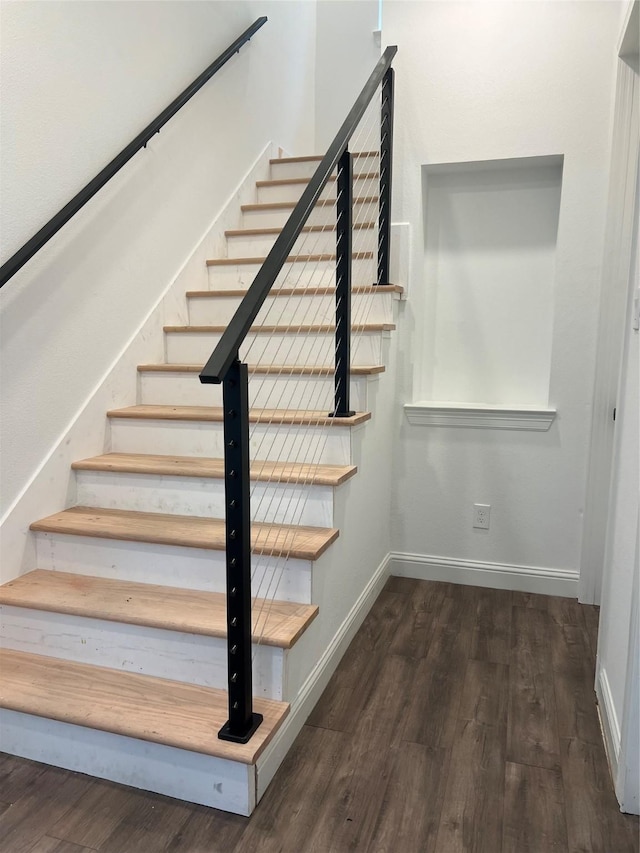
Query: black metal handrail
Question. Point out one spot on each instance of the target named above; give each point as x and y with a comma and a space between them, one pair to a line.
226, 351
20, 258
224, 366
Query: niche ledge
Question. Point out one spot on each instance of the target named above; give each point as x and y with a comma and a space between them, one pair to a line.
431, 413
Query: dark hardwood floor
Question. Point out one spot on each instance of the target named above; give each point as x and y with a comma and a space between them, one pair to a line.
460, 719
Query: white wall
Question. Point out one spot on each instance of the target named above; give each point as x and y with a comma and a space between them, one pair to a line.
621, 553
490, 81
346, 53
617, 673
490, 245
79, 80
613, 301
620, 558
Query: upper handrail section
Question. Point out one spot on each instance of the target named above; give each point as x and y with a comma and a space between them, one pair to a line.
226, 351
20, 258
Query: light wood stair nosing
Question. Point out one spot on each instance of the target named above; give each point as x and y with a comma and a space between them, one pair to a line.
267, 232
209, 467
296, 291
310, 158
292, 259
275, 369
173, 713
274, 417
276, 623
290, 329
285, 205
283, 182
270, 540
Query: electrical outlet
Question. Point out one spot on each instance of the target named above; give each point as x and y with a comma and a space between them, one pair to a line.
481, 515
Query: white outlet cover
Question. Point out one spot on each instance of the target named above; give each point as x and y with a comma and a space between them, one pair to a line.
481, 516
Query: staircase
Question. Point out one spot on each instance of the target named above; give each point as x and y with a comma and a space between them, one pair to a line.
114, 648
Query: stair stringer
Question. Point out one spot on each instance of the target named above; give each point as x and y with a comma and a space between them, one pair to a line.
349, 576
52, 485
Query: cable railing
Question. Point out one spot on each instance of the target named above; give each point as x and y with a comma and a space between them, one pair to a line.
295, 502
298, 265
305, 394
33, 245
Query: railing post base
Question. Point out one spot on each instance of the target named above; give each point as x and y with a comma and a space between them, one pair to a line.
340, 414
225, 732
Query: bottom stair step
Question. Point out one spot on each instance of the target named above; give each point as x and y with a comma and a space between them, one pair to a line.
165, 712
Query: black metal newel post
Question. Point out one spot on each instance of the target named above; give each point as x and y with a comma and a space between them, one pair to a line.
386, 157
242, 722
344, 230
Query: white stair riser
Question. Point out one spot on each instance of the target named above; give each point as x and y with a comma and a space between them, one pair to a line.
178, 656
297, 274
265, 391
296, 309
291, 192
263, 348
179, 773
170, 565
308, 243
278, 503
277, 442
306, 168
320, 215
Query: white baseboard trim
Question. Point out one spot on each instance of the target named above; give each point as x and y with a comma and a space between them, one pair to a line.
317, 680
608, 721
545, 581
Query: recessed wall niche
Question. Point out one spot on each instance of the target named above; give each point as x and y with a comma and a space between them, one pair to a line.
490, 241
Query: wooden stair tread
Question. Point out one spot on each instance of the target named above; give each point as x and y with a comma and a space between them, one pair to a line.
214, 414
297, 291
292, 259
275, 623
279, 369
258, 232
190, 531
290, 329
283, 182
311, 158
173, 713
284, 205
193, 466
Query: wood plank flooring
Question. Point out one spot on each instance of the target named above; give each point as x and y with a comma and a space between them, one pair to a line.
460, 719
